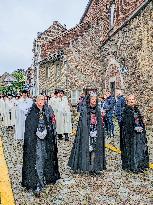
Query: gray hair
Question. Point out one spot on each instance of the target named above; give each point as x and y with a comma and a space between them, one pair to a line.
39, 97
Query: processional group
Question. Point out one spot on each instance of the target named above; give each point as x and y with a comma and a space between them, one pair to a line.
39, 122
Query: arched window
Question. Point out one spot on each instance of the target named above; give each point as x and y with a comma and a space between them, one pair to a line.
112, 14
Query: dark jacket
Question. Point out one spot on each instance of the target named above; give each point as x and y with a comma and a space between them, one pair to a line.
81, 103
109, 104
120, 104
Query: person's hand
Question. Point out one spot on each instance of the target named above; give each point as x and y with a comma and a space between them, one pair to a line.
138, 129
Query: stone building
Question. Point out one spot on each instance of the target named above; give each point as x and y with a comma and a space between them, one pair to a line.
127, 52
40, 44
110, 48
6, 79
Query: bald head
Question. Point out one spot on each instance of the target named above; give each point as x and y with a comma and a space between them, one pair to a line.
118, 92
107, 93
131, 100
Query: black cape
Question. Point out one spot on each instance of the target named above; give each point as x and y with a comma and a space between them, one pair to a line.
29, 173
134, 150
80, 157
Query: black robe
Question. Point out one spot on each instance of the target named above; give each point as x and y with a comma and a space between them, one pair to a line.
29, 173
80, 156
134, 150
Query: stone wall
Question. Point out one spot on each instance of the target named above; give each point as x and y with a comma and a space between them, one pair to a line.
94, 55
96, 13
99, 10
39, 44
81, 46
81, 58
91, 55
132, 47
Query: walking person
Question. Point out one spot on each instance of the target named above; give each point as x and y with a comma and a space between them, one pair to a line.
133, 141
119, 106
88, 152
22, 107
63, 116
40, 162
109, 105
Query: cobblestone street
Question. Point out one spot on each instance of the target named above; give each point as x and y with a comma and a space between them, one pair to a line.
112, 187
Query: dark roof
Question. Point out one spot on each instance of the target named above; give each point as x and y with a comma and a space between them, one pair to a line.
86, 10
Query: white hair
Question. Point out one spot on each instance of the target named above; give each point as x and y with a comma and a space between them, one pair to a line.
39, 97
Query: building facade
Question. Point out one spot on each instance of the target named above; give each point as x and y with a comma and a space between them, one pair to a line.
111, 48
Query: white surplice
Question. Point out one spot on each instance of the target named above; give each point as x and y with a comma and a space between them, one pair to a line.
53, 103
22, 107
63, 116
6, 113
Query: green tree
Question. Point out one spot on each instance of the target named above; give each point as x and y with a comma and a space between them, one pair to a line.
19, 74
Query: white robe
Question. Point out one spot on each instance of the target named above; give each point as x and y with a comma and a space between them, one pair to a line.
53, 103
22, 107
6, 113
63, 116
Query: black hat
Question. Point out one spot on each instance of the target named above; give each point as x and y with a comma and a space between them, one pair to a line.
56, 92
24, 91
61, 90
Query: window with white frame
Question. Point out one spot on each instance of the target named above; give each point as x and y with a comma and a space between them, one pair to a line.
75, 94
112, 14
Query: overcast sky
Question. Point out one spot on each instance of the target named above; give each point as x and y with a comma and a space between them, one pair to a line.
20, 20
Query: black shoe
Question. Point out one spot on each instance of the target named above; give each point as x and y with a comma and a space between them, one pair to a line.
98, 173
91, 173
66, 137
36, 192
138, 171
60, 136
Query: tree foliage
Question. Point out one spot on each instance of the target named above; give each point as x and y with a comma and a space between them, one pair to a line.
16, 86
19, 74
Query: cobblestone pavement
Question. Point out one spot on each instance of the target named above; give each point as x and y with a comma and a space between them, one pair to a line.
112, 187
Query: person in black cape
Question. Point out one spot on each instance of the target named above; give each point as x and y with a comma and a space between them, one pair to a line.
88, 152
40, 162
133, 141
